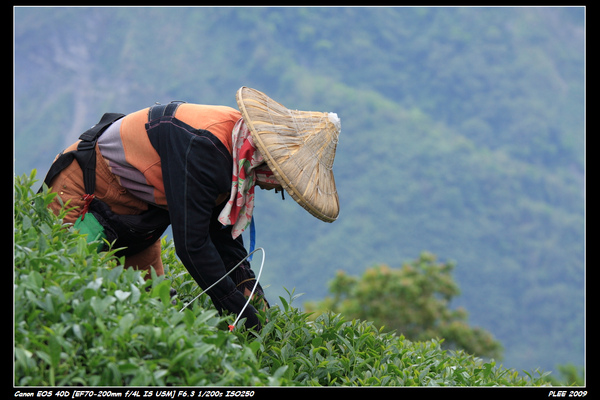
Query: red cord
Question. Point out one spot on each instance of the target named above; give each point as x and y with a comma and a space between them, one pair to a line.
87, 198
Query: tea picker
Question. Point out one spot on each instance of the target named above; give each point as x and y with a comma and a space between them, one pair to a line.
195, 167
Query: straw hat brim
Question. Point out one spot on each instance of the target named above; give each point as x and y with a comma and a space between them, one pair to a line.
299, 148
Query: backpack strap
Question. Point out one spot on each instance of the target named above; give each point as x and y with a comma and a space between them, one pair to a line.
163, 110
95, 131
86, 150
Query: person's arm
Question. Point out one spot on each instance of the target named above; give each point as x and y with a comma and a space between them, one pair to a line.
195, 171
232, 251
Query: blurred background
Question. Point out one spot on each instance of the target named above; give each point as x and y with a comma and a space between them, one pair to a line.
463, 134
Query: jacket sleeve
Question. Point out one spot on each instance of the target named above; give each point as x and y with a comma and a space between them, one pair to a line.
232, 251
195, 171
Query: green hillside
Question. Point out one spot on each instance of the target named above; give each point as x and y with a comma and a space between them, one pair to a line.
462, 135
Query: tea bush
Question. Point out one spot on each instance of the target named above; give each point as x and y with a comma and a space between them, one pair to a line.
80, 318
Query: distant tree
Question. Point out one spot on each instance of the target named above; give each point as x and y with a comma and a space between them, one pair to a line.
412, 300
568, 375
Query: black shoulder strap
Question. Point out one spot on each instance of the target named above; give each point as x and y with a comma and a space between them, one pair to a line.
163, 110
95, 131
86, 150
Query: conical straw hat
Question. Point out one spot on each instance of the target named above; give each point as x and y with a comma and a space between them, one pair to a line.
299, 148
